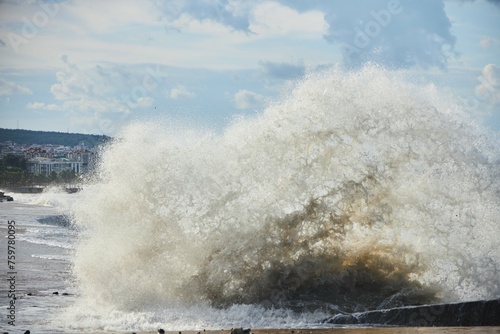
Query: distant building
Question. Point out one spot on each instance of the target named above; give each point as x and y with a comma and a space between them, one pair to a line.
42, 165
86, 157
81, 146
9, 147
48, 158
6, 149
37, 152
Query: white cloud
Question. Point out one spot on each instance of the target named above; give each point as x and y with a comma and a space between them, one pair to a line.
11, 88
189, 24
245, 99
180, 92
229, 32
489, 89
43, 106
105, 89
231, 13
102, 92
487, 42
111, 15
272, 18
144, 102
395, 33
72, 83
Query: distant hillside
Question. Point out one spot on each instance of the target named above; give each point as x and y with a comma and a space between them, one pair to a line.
29, 137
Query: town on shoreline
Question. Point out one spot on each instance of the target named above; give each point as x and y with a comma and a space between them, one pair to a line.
27, 167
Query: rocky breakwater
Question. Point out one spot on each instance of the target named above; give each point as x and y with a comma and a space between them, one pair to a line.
475, 313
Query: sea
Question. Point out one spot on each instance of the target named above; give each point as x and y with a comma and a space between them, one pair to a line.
352, 191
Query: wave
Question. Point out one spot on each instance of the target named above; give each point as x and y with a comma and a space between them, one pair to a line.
47, 241
56, 220
355, 190
52, 257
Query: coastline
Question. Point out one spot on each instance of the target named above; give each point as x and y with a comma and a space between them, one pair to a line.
38, 189
334, 330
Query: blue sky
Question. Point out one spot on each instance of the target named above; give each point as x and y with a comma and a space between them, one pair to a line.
93, 66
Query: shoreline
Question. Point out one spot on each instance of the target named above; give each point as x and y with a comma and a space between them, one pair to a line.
332, 330
38, 189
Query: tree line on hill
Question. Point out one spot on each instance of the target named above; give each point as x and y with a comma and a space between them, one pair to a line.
28, 137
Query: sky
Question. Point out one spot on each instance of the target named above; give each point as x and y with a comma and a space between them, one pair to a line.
93, 66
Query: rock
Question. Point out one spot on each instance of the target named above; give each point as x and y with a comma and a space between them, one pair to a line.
5, 197
240, 330
477, 313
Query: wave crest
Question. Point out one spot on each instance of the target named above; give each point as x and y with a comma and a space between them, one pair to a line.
356, 189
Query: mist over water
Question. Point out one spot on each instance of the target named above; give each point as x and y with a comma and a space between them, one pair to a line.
355, 190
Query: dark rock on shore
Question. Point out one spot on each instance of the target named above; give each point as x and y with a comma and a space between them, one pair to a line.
240, 331
476, 313
5, 197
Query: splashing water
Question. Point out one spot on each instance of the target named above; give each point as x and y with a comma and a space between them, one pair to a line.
357, 189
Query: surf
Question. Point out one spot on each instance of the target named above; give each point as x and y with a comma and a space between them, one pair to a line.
352, 191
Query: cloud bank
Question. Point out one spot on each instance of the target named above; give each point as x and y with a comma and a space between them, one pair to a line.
9, 88
245, 99
489, 88
180, 92
282, 70
394, 33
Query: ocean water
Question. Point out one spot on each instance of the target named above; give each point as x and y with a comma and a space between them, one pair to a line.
353, 191
43, 251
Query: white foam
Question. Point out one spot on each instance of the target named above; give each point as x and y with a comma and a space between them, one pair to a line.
52, 257
185, 318
64, 243
362, 168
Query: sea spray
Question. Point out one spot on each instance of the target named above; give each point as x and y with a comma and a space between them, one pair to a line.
355, 190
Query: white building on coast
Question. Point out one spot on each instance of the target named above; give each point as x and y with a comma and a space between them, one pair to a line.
42, 165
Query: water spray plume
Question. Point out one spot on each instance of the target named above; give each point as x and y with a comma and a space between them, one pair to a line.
355, 189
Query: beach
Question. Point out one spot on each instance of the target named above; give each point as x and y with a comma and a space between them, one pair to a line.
36, 282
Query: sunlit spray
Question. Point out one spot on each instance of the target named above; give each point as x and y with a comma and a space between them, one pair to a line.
354, 190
